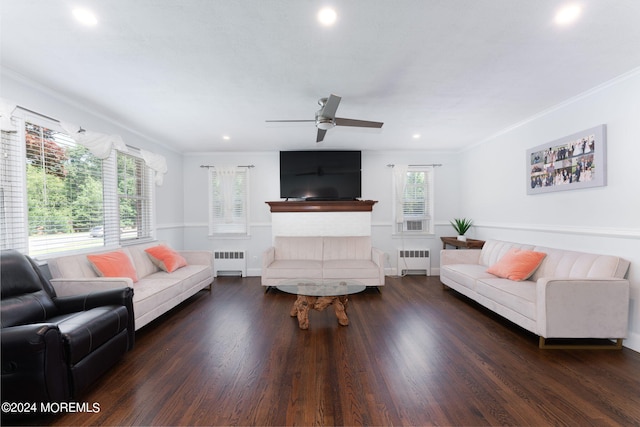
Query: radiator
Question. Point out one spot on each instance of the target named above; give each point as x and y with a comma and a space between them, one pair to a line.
227, 263
414, 261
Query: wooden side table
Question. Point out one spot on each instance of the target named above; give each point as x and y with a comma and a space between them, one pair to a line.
468, 244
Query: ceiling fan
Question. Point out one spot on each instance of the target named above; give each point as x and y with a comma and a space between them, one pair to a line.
326, 118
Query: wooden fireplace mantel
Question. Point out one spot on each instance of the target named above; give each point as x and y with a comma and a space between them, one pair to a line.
323, 206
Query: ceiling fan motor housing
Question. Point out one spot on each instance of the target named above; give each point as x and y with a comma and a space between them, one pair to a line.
324, 123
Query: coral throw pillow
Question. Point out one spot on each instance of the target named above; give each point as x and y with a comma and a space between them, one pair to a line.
166, 258
517, 264
113, 264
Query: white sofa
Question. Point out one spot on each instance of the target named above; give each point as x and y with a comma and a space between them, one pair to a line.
155, 292
323, 257
570, 295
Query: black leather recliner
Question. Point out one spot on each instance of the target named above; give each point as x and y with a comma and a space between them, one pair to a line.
54, 348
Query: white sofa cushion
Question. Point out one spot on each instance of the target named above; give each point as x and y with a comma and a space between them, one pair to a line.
79, 265
559, 262
562, 263
466, 274
141, 260
190, 275
346, 248
72, 266
298, 248
517, 296
154, 292
294, 269
350, 268
493, 250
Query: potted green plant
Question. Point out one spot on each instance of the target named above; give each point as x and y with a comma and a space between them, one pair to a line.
461, 225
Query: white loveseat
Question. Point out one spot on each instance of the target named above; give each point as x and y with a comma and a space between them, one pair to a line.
155, 292
323, 257
570, 295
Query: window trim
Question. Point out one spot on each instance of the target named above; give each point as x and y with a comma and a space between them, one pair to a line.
149, 196
212, 175
429, 202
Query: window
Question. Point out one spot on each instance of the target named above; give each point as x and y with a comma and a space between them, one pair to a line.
228, 196
64, 191
56, 196
414, 200
135, 186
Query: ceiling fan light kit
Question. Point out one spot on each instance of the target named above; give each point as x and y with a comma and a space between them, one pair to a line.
326, 118
324, 123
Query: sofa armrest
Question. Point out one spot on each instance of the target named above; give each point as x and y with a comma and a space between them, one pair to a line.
268, 256
198, 257
377, 256
582, 308
24, 339
460, 256
33, 366
119, 296
73, 303
85, 285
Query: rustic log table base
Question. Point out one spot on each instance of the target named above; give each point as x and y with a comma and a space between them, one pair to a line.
304, 303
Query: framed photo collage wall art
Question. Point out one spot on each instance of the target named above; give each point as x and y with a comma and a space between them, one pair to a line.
569, 163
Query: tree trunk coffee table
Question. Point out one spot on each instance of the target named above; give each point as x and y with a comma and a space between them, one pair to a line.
319, 294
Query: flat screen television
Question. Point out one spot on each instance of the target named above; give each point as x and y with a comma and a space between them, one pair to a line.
320, 175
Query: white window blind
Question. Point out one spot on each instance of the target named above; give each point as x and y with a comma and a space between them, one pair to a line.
111, 224
228, 197
414, 195
64, 183
13, 220
135, 190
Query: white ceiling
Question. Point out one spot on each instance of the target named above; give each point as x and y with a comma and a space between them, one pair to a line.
186, 72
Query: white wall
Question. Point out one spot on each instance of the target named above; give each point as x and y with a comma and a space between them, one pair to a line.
600, 220
168, 213
265, 186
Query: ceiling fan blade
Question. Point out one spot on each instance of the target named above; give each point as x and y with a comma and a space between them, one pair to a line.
331, 106
321, 134
288, 121
357, 123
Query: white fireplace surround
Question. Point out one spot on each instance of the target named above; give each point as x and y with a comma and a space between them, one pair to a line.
321, 219
321, 223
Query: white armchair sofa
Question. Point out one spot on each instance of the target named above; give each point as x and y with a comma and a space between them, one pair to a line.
323, 257
155, 292
570, 295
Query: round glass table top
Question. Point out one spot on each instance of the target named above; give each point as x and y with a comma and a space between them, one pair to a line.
320, 287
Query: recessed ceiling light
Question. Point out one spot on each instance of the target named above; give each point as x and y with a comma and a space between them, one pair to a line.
568, 14
226, 137
85, 17
416, 136
327, 16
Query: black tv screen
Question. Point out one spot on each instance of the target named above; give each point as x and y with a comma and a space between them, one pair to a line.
320, 175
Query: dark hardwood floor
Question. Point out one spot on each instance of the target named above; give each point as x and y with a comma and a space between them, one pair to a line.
414, 354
